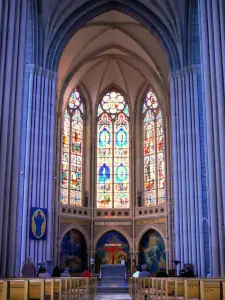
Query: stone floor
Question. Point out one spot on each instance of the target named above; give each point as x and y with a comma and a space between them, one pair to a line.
112, 297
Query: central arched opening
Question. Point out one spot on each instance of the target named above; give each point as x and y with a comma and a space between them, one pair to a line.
108, 257
114, 53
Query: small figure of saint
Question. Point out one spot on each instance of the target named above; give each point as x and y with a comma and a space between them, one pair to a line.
38, 220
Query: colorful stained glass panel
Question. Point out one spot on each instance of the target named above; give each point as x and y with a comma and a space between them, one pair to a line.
72, 147
154, 160
113, 152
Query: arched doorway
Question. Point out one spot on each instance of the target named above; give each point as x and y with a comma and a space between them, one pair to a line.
73, 251
152, 251
104, 257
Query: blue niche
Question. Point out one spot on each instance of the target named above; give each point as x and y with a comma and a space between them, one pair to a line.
104, 173
104, 138
73, 252
152, 251
121, 138
121, 173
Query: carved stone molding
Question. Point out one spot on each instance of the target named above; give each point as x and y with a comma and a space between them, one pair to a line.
65, 227
75, 211
144, 229
116, 228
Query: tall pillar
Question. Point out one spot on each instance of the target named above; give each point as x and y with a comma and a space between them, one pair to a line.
212, 20
36, 189
187, 160
13, 15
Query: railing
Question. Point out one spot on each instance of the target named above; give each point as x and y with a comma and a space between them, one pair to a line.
116, 213
123, 213
145, 212
75, 211
174, 288
54, 289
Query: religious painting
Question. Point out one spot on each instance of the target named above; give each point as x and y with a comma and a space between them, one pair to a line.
38, 223
106, 255
113, 152
152, 251
73, 252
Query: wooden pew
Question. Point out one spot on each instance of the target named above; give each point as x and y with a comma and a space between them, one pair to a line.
48, 289
177, 288
211, 289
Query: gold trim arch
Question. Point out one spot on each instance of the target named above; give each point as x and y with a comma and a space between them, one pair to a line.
144, 230
79, 228
121, 231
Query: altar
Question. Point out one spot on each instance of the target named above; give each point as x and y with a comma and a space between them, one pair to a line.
112, 270
116, 271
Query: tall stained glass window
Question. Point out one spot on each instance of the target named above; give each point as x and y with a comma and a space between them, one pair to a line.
113, 152
154, 159
72, 152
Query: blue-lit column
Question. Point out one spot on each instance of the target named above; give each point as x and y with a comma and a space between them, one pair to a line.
37, 162
187, 172
212, 20
13, 16
177, 242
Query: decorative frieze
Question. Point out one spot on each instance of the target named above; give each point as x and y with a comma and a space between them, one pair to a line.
149, 222
146, 212
75, 211
72, 221
110, 223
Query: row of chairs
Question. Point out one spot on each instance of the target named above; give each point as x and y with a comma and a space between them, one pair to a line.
71, 288
177, 289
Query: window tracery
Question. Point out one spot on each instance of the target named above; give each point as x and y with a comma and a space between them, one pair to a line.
113, 152
72, 152
154, 159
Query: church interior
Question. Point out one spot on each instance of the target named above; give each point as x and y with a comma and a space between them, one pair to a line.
112, 145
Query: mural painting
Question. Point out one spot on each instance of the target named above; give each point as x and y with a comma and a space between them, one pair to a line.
106, 257
152, 251
73, 253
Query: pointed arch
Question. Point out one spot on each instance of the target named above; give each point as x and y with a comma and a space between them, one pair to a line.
113, 151
113, 228
80, 229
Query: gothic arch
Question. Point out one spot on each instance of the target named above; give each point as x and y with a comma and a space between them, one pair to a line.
79, 228
162, 95
156, 80
66, 27
144, 230
114, 228
61, 106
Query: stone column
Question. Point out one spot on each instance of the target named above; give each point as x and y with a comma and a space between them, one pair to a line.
212, 20
13, 40
174, 121
187, 160
36, 187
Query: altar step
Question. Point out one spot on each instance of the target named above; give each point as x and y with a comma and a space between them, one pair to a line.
112, 286
115, 297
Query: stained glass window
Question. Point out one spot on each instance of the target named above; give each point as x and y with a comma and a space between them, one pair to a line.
154, 160
113, 152
72, 152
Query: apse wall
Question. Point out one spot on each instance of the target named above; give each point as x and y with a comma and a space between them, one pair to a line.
29, 100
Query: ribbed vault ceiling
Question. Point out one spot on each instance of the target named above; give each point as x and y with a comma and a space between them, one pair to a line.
113, 49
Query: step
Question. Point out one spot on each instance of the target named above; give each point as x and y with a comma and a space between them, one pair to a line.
115, 297
112, 287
